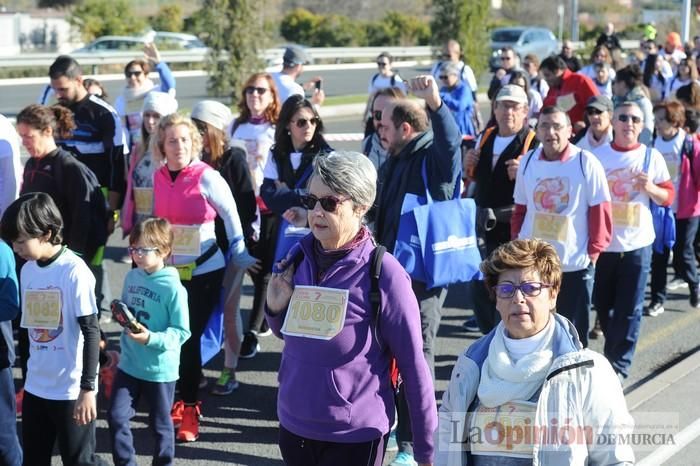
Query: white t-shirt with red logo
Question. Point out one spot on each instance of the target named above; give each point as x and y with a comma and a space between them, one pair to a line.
632, 224
671, 152
557, 195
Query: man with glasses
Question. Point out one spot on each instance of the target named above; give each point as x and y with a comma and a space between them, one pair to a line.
453, 53
406, 133
293, 63
386, 76
562, 197
636, 174
491, 166
567, 90
372, 145
510, 62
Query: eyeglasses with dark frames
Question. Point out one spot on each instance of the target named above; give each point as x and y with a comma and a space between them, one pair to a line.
250, 90
531, 289
328, 203
302, 122
624, 118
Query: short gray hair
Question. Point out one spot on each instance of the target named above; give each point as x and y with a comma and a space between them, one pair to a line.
348, 173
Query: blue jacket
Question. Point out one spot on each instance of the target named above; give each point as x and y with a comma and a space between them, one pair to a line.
9, 304
461, 103
401, 174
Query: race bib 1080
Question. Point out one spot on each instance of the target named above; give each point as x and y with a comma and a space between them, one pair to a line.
316, 312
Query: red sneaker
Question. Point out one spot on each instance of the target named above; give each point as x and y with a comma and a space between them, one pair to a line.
19, 398
189, 429
107, 373
176, 413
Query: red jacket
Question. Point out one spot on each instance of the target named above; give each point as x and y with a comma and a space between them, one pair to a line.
580, 87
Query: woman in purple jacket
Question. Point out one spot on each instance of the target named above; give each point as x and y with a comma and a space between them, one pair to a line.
336, 402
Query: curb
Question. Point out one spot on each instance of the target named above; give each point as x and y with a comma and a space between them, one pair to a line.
662, 381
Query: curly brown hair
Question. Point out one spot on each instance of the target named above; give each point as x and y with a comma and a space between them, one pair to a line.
534, 254
272, 111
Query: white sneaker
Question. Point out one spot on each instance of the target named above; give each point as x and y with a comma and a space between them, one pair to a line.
654, 310
676, 284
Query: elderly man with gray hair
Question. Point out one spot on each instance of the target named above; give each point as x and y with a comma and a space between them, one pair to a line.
344, 308
457, 96
406, 133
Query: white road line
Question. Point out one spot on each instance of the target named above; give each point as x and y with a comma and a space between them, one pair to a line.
682, 438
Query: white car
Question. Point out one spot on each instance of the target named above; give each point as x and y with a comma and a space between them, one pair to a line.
164, 41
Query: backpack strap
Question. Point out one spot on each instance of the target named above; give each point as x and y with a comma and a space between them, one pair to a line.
374, 78
484, 137
528, 140
375, 297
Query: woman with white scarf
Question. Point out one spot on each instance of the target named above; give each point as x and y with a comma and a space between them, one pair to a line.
128, 104
528, 393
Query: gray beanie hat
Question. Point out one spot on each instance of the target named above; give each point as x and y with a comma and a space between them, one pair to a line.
215, 113
160, 102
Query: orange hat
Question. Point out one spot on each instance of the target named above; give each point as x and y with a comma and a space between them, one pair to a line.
674, 39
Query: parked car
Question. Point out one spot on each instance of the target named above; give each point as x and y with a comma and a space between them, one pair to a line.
164, 41
524, 40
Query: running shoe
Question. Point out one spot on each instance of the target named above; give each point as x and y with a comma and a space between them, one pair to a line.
189, 429
403, 459
250, 346
226, 383
176, 413
654, 309
676, 284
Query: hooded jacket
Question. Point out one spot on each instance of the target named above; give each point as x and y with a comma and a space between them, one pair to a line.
580, 389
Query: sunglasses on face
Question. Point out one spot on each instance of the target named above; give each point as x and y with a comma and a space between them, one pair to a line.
302, 122
382, 63
135, 74
507, 290
377, 114
201, 128
505, 58
593, 111
443, 77
250, 90
328, 203
624, 118
141, 251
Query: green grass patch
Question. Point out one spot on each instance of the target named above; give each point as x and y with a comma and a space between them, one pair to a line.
345, 99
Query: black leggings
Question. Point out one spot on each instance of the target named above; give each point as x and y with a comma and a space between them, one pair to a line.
203, 293
264, 250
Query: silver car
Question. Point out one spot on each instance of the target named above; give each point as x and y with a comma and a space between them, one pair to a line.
524, 40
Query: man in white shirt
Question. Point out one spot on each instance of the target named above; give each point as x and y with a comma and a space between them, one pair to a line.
562, 197
293, 63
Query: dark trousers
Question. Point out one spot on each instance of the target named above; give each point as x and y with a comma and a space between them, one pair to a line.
684, 261
125, 398
574, 300
203, 293
264, 250
485, 312
430, 303
45, 421
300, 451
620, 280
10, 449
102, 294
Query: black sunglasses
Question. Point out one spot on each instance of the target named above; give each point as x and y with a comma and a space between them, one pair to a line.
328, 203
382, 63
302, 122
593, 111
377, 114
625, 118
443, 77
201, 127
133, 73
250, 90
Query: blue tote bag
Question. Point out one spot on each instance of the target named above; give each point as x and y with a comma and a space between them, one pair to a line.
288, 235
662, 218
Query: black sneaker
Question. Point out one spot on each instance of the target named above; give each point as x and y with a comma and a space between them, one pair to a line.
695, 298
470, 325
250, 346
654, 309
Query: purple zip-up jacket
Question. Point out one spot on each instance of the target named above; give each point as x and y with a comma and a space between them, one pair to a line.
339, 390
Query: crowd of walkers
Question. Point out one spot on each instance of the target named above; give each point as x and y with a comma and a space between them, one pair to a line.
585, 178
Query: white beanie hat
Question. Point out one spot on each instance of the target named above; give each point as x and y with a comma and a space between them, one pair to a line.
160, 102
212, 112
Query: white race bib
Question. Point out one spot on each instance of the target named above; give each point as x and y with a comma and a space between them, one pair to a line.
186, 240
626, 214
566, 102
143, 201
552, 227
316, 312
41, 309
505, 430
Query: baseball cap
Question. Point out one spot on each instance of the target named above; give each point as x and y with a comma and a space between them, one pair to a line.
295, 56
512, 93
600, 102
215, 113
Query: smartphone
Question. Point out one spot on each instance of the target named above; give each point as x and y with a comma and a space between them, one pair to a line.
318, 85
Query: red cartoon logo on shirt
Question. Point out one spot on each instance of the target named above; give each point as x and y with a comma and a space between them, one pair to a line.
623, 184
552, 195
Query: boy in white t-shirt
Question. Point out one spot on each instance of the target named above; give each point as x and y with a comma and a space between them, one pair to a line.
622, 270
561, 196
59, 311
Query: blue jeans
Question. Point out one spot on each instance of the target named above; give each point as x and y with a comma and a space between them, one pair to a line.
620, 281
574, 300
684, 261
10, 450
125, 397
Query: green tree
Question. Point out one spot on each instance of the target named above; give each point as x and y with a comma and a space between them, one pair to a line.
465, 21
97, 18
407, 30
338, 31
168, 18
300, 26
235, 34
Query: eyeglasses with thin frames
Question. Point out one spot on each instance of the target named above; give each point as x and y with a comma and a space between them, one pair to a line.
140, 252
302, 122
531, 289
328, 203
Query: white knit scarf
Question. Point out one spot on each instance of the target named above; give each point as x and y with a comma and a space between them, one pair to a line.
503, 380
